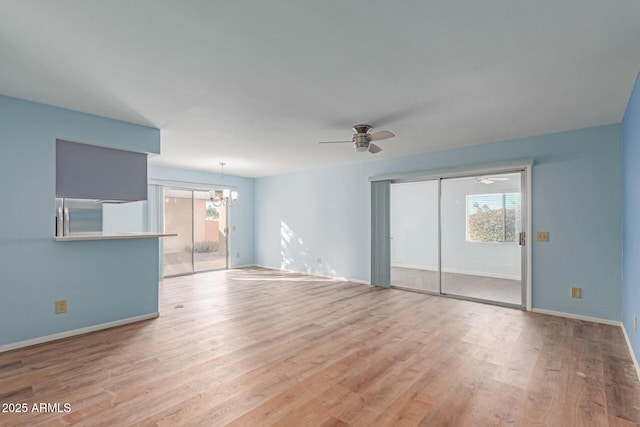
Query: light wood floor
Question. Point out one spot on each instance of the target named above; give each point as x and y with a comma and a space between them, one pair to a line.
255, 347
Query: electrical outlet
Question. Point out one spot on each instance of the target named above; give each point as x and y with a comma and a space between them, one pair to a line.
542, 236
237, 254
575, 293
233, 228
319, 261
61, 306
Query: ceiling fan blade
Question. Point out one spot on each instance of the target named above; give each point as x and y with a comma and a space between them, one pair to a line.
333, 142
383, 134
373, 149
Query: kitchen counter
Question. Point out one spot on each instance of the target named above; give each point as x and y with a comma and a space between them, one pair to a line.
110, 236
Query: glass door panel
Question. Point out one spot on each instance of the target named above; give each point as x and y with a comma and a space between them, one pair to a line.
481, 219
414, 236
178, 218
209, 233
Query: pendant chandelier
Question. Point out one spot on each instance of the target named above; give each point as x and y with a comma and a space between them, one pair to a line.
225, 196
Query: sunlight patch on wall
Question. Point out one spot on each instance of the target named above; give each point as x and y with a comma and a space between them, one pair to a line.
296, 256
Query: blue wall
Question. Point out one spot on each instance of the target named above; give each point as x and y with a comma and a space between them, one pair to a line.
241, 240
292, 220
103, 281
577, 197
631, 246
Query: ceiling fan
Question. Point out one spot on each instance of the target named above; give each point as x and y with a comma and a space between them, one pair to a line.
490, 179
362, 139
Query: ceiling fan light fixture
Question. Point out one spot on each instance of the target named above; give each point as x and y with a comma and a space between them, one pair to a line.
361, 147
361, 139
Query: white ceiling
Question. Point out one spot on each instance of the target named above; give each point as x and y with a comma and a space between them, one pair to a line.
257, 83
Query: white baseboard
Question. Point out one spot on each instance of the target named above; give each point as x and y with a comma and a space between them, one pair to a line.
242, 266
342, 279
263, 266
577, 317
67, 334
633, 355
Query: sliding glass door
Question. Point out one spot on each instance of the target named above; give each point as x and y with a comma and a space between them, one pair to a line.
178, 219
481, 224
414, 236
460, 236
201, 228
209, 233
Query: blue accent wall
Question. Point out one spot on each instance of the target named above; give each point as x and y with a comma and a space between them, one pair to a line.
103, 281
631, 246
577, 198
242, 239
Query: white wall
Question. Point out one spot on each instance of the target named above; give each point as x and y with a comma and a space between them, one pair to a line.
414, 225
124, 217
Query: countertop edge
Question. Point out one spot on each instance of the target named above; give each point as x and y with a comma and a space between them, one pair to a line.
116, 236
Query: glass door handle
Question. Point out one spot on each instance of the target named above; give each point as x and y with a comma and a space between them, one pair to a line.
66, 225
522, 239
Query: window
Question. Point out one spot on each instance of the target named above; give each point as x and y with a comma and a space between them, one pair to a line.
493, 217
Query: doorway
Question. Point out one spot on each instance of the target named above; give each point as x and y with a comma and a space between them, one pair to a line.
460, 236
201, 228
